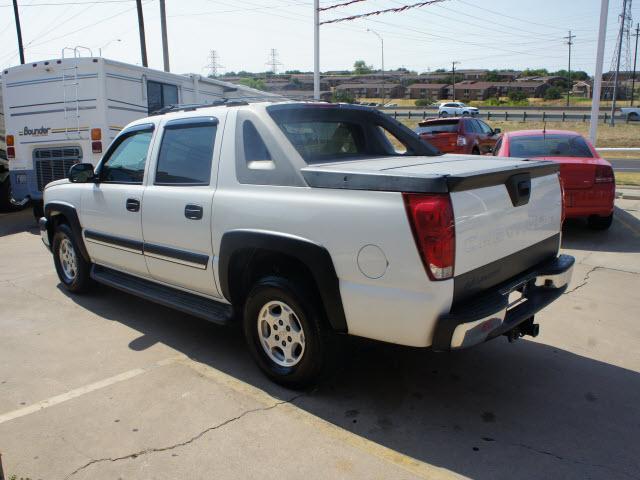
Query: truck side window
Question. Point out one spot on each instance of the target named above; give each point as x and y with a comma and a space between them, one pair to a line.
186, 153
256, 152
126, 160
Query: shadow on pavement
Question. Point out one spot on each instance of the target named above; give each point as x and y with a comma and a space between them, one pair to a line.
16, 222
498, 411
622, 236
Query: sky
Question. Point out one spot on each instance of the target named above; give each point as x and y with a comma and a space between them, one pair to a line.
476, 33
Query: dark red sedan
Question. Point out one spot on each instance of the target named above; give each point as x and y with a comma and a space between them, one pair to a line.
459, 135
587, 179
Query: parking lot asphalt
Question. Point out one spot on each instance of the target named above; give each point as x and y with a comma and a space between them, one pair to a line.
106, 385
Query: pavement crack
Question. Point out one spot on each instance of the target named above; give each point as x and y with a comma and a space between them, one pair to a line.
571, 460
585, 280
587, 276
196, 437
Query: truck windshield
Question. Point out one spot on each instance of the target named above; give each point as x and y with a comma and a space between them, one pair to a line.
549, 146
328, 133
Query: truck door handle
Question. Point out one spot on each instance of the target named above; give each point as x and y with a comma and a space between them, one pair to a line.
193, 212
133, 205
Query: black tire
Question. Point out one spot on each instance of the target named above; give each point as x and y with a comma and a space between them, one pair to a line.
318, 352
600, 223
5, 196
38, 210
444, 114
475, 151
633, 117
465, 114
80, 281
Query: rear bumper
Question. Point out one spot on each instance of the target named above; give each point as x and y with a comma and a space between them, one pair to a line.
491, 314
597, 200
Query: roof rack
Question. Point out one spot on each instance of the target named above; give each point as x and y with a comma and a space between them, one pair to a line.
189, 107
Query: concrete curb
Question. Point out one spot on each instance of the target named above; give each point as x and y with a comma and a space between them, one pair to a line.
628, 193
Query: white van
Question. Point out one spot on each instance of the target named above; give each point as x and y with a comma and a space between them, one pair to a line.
64, 111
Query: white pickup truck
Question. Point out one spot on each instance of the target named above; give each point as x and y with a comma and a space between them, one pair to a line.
309, 221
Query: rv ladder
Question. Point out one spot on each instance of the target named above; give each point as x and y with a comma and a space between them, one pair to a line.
70, 100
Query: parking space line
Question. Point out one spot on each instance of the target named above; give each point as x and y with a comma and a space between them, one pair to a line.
412, 465
78, 392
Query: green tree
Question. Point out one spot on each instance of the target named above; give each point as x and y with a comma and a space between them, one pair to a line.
256, 83
423, 102
535, 72
517, 95
553, 93
361, 68
492, 76
339, 96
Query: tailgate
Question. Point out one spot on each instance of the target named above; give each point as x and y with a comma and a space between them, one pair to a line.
577, 175
496, 240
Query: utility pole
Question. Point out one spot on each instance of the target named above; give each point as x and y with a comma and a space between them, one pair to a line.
382, 47
273, 61
165, 42
569, 42
597, 80
453, 79
214, 64
16, 14
615, 78
635, 58
143, 43
316, 49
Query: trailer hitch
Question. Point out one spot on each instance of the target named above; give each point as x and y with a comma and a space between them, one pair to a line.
525, 328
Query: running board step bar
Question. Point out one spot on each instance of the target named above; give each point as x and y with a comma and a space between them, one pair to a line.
195, 305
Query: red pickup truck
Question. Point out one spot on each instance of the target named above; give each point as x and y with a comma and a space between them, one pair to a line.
459, 135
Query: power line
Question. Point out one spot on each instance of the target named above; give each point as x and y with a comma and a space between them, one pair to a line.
338, 5
379, 12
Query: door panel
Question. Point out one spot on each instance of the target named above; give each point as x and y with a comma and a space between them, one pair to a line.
178, 248
113, 234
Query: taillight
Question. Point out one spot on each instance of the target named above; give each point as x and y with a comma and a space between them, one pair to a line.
11, 153
96, 134
604, 174
462, 141
432, 223
10, 140
96, 147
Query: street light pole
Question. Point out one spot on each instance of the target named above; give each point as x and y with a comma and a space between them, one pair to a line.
597, 80
316, 49
16, 14
382, 49
635, 58
453, 79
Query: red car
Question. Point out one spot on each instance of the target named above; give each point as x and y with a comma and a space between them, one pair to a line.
587, 179
459, 135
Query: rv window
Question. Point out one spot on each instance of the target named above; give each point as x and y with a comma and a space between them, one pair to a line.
126, 160
186, 154
160, 95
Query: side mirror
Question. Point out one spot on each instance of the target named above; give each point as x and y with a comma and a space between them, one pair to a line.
81, 173
496, 131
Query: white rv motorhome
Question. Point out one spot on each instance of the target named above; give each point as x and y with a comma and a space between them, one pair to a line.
64, 111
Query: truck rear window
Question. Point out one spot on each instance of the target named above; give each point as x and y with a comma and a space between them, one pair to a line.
552, 145
328, 133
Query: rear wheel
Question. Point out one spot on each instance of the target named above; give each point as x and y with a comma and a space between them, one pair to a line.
287, 332
465, 114
73, 269
633, 116
600, 223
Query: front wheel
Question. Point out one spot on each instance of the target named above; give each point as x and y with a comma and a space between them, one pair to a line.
444, 114
287, 332
600, 223
72, 268
5, 196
